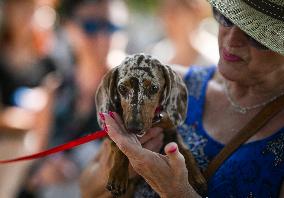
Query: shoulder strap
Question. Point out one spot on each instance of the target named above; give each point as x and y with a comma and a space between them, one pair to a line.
251, 128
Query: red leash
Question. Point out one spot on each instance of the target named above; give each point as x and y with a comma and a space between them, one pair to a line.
66, 146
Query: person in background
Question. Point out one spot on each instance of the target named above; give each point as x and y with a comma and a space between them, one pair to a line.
183, 22
28, 80
24, 70
85, 30
249, 75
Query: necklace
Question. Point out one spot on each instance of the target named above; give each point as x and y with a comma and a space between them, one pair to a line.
243, 110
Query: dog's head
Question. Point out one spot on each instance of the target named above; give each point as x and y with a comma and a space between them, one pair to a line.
140, 89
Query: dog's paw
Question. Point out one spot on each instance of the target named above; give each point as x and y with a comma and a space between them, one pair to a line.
117, 187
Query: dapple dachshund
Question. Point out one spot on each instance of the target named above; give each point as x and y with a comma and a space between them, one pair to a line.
145, 93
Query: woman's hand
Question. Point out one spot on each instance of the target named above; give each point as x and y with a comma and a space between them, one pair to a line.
167, 175
100, 167
153, 139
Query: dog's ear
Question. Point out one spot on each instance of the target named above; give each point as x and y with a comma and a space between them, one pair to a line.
106, 96
174, 101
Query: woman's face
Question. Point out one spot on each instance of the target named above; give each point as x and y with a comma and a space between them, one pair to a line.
18, 13
177, 19
89, 16
240, 61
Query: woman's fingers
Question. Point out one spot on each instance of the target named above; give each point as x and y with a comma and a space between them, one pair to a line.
155, 143
126, 142
151, 133
117, 118
152, 139
176, 159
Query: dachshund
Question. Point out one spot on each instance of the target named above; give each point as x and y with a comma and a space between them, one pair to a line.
145, 93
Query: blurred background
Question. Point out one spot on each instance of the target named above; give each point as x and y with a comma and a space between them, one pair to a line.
53, 55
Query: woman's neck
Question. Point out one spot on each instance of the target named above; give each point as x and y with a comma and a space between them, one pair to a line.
255, 93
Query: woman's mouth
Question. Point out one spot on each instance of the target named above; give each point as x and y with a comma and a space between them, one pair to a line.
230, 57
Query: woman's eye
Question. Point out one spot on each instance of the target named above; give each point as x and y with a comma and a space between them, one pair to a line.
227, 22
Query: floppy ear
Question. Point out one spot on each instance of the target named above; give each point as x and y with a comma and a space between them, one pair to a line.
174, 101
106, 96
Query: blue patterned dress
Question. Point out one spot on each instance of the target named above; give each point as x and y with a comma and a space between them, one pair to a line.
255, 170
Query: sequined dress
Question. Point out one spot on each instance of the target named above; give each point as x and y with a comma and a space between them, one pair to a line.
255, 170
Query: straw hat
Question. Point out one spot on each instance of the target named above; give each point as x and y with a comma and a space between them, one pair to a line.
261, 19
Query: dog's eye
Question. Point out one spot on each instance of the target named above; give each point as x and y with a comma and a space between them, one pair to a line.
154, 89
122, 89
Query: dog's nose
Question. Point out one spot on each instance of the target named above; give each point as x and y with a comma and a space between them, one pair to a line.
135, 127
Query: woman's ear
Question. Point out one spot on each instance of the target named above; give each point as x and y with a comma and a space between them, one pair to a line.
174, 101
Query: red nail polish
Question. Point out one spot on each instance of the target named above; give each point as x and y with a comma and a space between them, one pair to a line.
105, 128
111, 114
102, 117
173, 149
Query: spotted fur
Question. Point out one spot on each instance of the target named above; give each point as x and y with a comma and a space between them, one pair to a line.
137, 87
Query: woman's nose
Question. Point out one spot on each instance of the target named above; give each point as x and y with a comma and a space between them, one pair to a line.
236, 37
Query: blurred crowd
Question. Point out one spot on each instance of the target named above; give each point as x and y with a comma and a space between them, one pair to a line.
54, 54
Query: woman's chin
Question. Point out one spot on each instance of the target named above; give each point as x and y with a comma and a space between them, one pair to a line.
229, 72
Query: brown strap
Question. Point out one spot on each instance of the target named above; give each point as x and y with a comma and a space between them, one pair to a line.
251, 128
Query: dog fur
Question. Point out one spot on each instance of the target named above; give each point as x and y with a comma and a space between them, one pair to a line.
145, 93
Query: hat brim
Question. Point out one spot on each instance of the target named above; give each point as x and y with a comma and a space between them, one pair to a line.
263, 28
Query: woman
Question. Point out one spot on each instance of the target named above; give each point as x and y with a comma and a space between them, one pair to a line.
28, 82
250, 74
181, 21
86, 30
27, 72
23, 63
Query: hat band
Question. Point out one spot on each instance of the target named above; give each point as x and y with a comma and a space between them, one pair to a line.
268, 8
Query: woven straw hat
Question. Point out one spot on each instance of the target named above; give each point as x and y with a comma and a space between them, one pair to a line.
261, 19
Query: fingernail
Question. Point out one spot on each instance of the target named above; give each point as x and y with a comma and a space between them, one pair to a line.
105, 128
111, 114
102, 117
173, 149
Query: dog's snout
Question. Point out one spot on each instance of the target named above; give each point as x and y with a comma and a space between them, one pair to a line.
135, 127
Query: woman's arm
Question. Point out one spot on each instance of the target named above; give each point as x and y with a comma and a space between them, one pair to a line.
167, 174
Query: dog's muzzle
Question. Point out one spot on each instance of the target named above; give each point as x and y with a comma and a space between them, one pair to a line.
141, 134
135, 127
138, 133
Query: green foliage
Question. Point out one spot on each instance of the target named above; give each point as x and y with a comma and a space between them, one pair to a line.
143, 5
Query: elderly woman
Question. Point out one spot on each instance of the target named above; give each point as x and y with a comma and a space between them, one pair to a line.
249, 75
